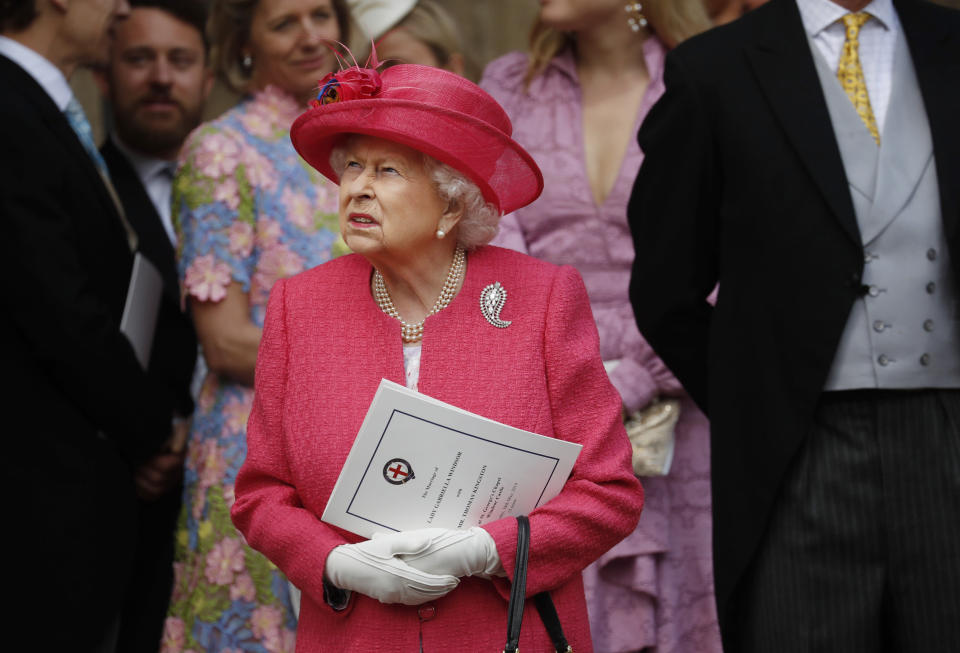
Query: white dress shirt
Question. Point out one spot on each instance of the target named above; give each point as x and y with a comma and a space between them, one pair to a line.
48, 76
822, 20
157, 178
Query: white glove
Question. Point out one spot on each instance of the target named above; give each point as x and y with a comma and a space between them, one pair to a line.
470, 552
374, 568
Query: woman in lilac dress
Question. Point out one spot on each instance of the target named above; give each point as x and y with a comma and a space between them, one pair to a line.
576, 102
249, 211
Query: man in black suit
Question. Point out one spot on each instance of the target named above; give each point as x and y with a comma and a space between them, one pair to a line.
156, 81
806, 157
80, 412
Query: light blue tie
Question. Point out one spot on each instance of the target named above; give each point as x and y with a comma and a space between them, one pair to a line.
78, 120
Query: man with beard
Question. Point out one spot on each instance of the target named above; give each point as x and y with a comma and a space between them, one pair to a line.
157, 81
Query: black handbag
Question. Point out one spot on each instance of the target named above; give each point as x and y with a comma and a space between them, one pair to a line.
548, 613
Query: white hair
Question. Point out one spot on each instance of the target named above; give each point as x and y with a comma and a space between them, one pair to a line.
480, 220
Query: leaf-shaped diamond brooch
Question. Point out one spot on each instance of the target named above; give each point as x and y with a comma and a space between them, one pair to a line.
492, 299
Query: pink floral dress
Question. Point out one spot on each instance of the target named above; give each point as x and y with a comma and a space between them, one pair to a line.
247, 209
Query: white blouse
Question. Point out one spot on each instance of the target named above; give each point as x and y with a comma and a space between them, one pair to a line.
411, 364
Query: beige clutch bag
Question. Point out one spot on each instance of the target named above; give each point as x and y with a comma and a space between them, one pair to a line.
651, 433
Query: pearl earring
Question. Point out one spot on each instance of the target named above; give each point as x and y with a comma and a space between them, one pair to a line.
247, 62
637, 21
440, 234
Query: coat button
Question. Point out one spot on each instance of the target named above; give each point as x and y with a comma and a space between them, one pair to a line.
427, 612
931, 254
879, 326
873, 291
867, 257
931, 287
883, 360
928, 325
925, 360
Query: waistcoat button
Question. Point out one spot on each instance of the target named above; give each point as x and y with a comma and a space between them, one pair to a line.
925, 359
928, 325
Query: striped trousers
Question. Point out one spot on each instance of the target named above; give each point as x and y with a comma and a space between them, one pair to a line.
862, 553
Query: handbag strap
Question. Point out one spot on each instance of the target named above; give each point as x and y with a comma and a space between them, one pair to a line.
519, 588
550, 619
545, 607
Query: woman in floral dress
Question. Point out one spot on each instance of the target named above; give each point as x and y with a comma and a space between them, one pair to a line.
248, 211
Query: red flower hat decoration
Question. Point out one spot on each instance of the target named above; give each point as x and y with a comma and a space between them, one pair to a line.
351, 84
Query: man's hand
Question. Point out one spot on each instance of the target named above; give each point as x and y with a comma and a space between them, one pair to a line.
159, 475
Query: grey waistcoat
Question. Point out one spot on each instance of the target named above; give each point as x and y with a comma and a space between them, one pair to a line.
903, 333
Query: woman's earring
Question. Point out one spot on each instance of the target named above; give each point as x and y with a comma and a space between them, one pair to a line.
636, 20
247, 62
440, 234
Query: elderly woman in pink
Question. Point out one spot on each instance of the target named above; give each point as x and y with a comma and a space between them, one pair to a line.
576, 101
426, 166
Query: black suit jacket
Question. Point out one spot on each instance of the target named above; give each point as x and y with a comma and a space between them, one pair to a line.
78, 411
174, 353
743, 185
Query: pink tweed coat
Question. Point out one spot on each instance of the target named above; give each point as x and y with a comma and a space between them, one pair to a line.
325, 347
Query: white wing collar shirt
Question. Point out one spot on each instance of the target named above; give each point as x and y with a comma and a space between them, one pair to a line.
822, 20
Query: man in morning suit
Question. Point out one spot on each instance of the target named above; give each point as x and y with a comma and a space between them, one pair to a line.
156, 81
807, 158
80, 412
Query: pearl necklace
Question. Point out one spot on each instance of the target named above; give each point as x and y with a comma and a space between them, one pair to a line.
414, 332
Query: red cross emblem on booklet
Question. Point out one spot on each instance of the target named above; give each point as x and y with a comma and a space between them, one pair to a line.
397, 471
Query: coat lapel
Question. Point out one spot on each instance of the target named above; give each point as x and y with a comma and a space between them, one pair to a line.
784, 66
72, 148
935, 49
906, 150
143, 217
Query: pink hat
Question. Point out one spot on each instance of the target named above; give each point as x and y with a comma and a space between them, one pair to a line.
434, 111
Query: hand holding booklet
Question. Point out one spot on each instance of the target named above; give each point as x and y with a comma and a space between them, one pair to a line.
418, 462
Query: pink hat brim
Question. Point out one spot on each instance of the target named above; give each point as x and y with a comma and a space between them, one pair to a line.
506, 174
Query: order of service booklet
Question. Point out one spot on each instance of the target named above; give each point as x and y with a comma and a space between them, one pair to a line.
418, 462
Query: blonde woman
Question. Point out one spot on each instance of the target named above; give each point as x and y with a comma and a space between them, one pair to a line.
576, 101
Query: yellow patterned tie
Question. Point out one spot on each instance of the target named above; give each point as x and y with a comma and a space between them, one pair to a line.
850, 72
